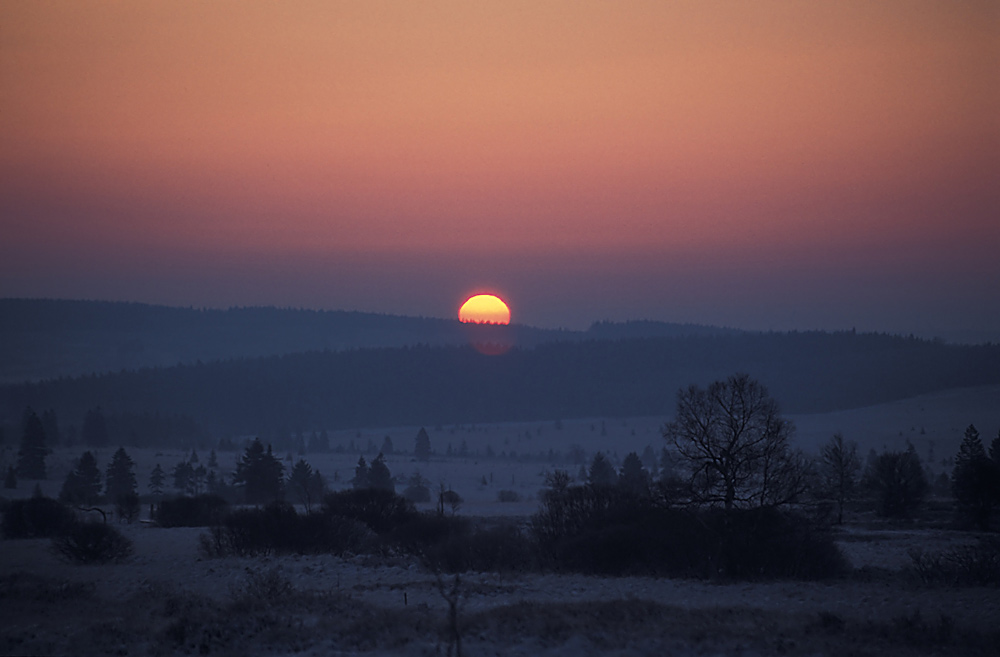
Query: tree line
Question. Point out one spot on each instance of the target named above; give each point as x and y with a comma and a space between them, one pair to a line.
810, 372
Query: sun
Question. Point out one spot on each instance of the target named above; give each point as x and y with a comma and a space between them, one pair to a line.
484, 309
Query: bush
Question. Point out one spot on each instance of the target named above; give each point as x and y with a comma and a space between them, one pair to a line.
508, 496
36, 517
606, 531
277, 528
969, 565
127, 507
503, 548
93, 542
197, 511
381, 510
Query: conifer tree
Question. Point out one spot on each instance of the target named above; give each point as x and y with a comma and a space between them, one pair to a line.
422, 448
156, 480
634, 477
601, 473
120, 476
303, 485
183, 474
213, 460
33, 450
10, 481
83, 484
360, 481
379, 477
260, 474
975, 480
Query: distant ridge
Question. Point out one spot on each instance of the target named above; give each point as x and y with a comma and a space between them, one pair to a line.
50, 338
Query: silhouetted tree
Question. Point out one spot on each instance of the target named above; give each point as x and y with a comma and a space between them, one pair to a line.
120, 476
387, 445
633, 477
33, 450
95, 428
449, 498
417, 488
83, 484
194, 456
213, 460
649, 461
305, 484
319, 443
840, 468
975, 480
184, 477
156, 479
10, 481
199, 480
260, 474
379, 476
361, 472
601, 473
898, 481
422, 447
995, 449
735, 445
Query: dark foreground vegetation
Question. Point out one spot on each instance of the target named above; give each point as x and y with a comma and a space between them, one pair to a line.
266, 615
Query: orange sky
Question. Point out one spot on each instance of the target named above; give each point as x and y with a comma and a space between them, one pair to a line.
189, 146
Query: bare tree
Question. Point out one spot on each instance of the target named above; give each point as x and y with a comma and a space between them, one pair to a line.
735, 445
840, 471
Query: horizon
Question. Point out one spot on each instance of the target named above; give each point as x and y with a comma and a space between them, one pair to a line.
774, 166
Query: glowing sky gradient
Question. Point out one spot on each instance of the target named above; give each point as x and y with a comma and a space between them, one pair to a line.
755, 164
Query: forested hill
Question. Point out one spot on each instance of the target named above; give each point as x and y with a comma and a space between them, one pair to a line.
806, 372
44, 338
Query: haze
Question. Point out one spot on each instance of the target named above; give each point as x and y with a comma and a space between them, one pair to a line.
762, 165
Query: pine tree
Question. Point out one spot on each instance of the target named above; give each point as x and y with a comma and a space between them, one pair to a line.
95, 428
601, 473
387, 445
300, 484
194, 456
120, 476
975, 479
379, 477
422, 448
183, 474
31, 455
260, 474
83, 484
634, 477
360, 481
417, 488
156, 480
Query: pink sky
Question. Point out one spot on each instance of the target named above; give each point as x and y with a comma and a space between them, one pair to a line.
764, 165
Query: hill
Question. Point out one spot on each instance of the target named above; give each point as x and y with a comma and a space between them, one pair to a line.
806, 372
47, 338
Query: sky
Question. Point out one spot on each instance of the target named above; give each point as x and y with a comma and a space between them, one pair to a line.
767, 165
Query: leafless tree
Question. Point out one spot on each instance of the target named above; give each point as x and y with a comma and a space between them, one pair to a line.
841, 466
735, 445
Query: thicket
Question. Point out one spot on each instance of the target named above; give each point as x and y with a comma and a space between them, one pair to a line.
36, 517
198, 511
93, 542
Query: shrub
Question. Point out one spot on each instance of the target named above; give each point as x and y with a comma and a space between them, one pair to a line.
36, 517
127, 507
602, 530
503, 548
381, 510
508, 496
969, 565
197, 511
93, 542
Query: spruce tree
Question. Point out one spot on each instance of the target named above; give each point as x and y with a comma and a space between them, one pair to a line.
183, 475
120, 476
83, 484
974, 480
300, 484
156, 480
634, 477
361, 472
260, 474
379, 477
422, 448
601, 473
33, 450
10, 481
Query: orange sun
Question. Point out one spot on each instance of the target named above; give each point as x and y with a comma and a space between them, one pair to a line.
484, 309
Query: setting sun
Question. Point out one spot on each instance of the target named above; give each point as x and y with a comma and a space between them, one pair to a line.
484, 309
